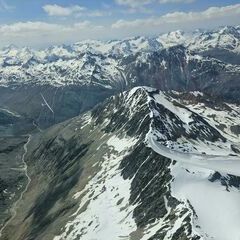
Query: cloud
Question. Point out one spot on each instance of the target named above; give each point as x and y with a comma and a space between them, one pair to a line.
133, 3
99, 13
94, 13
138, 4
176, 1
22, 29
75, 10
5, 7
41, 34
135, 6
57, 10
211, 17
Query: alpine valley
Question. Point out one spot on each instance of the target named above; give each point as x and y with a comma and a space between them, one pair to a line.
134, 139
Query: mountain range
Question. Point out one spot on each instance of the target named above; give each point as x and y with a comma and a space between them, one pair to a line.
206, 61
134, 139
144, 164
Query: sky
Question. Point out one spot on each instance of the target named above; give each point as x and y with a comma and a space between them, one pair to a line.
41, 23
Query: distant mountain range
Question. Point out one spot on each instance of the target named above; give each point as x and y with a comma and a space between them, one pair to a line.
71, 79
134, 139
103, 63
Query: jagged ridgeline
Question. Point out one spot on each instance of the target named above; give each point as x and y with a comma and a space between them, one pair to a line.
111, 173
60, 82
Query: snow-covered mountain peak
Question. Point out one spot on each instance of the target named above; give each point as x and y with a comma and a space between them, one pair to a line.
177, 61
140, 165
174, 38
229, 30
145, 130
225, 37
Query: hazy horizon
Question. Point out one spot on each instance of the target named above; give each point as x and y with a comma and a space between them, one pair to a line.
45, 23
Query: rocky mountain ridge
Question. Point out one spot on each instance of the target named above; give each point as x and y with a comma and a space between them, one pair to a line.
223, 37
120, 171
103, 62
61, 82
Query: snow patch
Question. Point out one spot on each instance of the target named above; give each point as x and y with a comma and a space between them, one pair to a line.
104, 211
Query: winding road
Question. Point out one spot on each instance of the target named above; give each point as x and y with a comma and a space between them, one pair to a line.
15, 205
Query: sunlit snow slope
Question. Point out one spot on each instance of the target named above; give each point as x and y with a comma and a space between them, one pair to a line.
214, 204
143, 165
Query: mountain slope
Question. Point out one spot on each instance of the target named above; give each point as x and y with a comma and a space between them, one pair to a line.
102, 63
13, 130
60, 82
53, 94
100, 175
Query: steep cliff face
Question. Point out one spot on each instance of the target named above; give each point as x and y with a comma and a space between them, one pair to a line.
144, 164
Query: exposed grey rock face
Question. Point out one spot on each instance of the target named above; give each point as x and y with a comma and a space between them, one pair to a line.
73, 79
97, 175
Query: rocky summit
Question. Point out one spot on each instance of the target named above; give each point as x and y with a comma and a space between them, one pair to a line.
144, 164
133, 139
